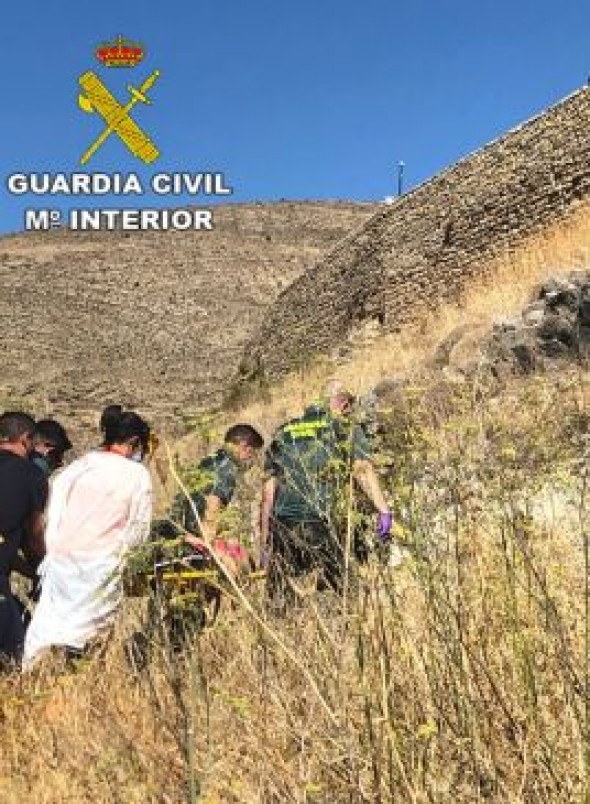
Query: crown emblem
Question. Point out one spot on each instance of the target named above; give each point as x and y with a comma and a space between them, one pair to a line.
120, 53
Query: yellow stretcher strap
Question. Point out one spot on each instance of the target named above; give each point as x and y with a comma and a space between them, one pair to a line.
185, 575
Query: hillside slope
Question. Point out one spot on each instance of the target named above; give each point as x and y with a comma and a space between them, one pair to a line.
156, 320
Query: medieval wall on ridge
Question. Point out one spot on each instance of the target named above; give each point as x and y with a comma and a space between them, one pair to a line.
427, 245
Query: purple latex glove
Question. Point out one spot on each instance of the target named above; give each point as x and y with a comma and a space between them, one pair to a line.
384, 525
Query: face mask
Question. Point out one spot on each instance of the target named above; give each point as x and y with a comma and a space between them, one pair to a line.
137, 456
42, 462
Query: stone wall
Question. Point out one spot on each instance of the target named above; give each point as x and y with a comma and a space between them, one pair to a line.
426, 246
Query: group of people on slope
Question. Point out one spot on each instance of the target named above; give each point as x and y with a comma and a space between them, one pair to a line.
71, 533
68, 534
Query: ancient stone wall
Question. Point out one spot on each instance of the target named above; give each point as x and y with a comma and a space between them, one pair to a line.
427, 245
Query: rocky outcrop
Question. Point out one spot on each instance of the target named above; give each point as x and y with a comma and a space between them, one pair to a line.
555, 326
553, 329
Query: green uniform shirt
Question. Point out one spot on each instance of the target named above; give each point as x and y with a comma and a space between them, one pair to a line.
311, 459
215, 475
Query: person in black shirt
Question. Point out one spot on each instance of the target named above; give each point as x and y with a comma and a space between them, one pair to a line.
23, 495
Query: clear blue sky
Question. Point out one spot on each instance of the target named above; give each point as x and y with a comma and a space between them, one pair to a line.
299, 100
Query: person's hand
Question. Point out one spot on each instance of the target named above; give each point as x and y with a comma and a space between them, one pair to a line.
384, 525
196, 542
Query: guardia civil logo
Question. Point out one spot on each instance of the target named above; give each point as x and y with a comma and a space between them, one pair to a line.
96, 98
120, 119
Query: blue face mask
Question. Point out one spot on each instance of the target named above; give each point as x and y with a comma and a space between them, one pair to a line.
42, 462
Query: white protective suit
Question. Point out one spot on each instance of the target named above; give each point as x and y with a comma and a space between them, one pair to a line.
99, 507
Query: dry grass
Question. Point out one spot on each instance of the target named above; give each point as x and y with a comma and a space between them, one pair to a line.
461, 677
510, 280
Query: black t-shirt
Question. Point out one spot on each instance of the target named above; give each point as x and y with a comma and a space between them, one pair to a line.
23, 492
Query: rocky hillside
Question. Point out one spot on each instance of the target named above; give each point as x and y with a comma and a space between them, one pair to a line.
156, 320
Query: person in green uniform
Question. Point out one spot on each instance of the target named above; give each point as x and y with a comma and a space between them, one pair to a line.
213, 485
308, 471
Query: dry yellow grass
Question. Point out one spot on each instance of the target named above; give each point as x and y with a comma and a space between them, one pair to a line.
461, 677
510, 280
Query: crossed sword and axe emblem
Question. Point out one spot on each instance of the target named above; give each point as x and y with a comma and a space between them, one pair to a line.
97, 98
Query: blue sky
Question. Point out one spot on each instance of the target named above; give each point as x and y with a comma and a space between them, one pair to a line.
299, 100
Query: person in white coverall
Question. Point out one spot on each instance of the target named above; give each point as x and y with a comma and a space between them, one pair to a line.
99, 507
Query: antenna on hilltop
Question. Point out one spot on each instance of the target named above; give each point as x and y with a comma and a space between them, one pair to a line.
400, 177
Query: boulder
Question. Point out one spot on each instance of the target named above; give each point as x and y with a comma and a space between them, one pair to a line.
558, 326
555, 325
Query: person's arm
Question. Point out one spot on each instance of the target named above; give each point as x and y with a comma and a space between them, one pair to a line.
365, 475
208, 522
210, 518
268, 497
33, 545
23, 567
273, 472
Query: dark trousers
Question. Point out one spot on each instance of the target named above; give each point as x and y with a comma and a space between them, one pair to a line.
12, 630
298, 548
